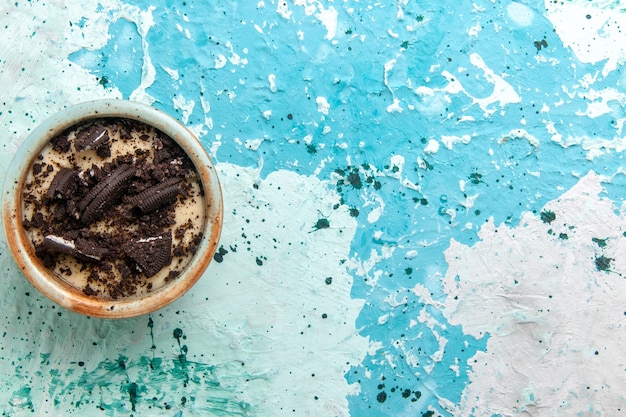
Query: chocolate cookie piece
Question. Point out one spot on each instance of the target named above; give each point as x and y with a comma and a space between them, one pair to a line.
91, 137
151, 254
157, 195
79, 248
63, 184
90, 249
103, 194
60, 244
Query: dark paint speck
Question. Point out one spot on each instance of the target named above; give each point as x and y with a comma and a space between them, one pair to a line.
600, 242
547, 216
321, 224
219, 255
603, 263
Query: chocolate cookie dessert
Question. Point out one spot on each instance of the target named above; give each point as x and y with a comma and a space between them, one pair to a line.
114, 207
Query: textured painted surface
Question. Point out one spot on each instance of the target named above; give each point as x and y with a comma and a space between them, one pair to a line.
425, 208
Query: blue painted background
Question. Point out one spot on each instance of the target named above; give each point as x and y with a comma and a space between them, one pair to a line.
349, 71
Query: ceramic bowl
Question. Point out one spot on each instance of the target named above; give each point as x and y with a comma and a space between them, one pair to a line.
47, 281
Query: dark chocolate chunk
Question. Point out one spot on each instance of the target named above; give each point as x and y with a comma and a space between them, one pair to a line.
37, 168
91, 137
37, 221
103, 194
157, 195
47, 257
63, 184
125, 271
72, 209
59, 213
89, 291
104, 151
151, 254
61, 143
125, 127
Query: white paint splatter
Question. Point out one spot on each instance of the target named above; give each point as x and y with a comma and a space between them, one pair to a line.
144, 21
220, 61
282, 8
186, 106
519, 134
326, 15
272, 81
503, 93
450, 140
322, 105
598, 102
366, 268
432, 147
555, 320
253, 144
453, 86
594, 146
206, 108
474, 31
374, 215
173, 73
469, 202
184, 31
394, 107
592, 29
598, 147
235, 58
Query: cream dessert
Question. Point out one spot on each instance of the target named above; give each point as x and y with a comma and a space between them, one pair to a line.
114, 207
